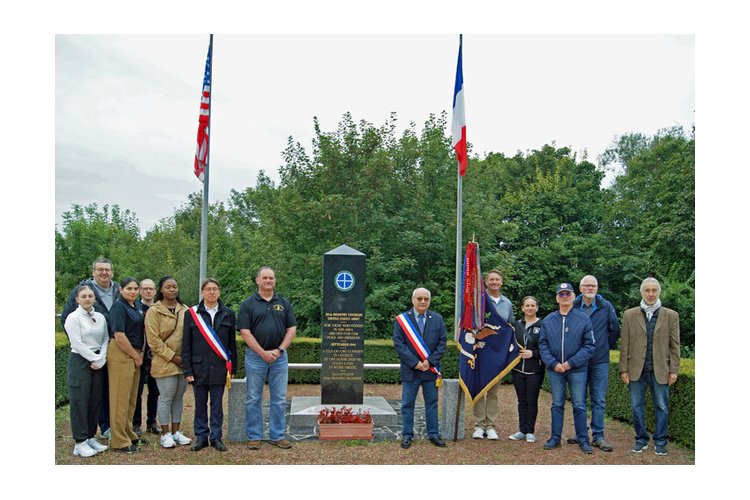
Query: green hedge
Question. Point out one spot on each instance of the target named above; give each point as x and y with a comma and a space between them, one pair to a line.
304, 350
380, 351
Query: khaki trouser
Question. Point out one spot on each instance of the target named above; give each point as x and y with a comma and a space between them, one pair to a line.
485, 410
123, 390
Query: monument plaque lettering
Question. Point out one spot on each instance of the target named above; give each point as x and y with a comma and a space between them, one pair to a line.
343, 325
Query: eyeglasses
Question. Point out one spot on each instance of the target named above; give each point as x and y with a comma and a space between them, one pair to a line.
565, 293
422, 299
103, 270
589, 286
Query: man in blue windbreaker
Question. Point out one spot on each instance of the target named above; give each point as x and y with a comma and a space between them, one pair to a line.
606, 332
566, 344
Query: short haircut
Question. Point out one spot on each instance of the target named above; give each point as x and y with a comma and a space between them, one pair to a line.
265, 267
494, 271
210, 280
102, 260
414, 293
589, 276
652, 281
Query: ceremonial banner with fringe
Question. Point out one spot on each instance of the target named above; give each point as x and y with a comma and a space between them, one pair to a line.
487, 342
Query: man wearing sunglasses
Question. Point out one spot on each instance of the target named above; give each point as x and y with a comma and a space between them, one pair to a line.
566, 344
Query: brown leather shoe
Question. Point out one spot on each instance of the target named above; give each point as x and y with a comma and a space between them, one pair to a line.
254, 445
281, 443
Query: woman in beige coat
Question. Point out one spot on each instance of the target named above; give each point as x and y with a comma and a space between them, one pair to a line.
164, 333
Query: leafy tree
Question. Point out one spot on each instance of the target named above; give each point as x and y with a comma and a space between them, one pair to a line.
88, 233
651, 221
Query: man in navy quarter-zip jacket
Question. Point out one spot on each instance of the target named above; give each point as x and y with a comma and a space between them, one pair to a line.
566, 344
606, 332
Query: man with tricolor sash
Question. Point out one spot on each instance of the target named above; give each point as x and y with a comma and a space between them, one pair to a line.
419, 336
209, 358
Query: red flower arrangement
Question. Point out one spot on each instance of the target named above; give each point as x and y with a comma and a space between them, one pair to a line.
344, 415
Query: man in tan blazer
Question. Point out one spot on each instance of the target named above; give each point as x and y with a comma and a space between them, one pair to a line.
650, 358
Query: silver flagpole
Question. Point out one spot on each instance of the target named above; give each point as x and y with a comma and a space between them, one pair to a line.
459, 242
204, 213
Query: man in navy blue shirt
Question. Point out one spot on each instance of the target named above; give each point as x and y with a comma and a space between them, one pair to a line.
606, 332
267, 324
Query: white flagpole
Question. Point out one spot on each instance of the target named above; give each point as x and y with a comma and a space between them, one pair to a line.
204, 213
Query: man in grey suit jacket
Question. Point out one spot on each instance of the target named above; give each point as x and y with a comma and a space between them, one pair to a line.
650, 357
419, 338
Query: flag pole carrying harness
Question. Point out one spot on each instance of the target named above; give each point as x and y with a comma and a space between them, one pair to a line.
417, 342
213, 340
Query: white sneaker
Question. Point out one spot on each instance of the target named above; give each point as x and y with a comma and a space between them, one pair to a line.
96, 445
167, 441
517, 436
478, 433
491, 434
530, 438
180, 438
83, 450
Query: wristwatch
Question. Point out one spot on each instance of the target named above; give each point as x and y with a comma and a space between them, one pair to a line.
281, 351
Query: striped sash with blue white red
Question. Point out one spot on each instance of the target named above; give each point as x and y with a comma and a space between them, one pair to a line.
417, 342
213, 341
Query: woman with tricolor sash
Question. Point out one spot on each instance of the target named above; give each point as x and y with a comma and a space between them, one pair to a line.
209, 359
164, 323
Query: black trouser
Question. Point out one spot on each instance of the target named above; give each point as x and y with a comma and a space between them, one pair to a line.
152, 399
527, 389
200, 422
85, 391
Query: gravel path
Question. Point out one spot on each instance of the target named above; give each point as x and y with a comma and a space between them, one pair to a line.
467, 451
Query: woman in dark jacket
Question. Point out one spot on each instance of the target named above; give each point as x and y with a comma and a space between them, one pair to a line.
528, 375
209, 356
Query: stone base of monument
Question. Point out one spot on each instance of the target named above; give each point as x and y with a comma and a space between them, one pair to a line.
304, 411
386, 415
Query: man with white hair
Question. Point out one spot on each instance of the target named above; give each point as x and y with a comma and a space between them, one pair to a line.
650, 357
419, 339
606, 332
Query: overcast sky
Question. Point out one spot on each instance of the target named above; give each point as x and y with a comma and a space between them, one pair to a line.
126, 107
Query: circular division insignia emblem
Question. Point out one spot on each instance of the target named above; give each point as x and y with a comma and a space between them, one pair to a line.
344, 281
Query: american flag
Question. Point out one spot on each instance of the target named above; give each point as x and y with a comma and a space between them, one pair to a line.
204, 119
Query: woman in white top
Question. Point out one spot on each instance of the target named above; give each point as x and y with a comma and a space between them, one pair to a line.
88, 335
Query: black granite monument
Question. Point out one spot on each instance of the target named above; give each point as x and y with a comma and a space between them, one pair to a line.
343, 322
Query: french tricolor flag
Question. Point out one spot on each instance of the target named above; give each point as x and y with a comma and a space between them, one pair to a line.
458, 125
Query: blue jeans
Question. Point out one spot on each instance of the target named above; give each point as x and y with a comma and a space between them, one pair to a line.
597, 381
277, 373
660, 395
576, 380
409, 391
